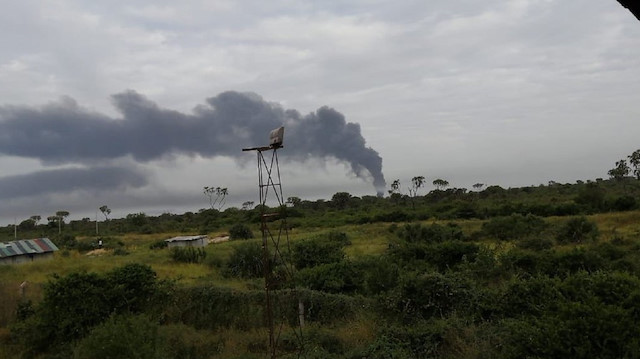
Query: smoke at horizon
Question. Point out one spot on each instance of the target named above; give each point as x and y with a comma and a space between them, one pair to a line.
66, 133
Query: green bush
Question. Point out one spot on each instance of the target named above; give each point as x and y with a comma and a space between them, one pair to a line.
86, 245
533, 296
435, 233
380, 273
514, 227
179, 341
120, 252
159, 244
339, 277
317, 251
120, 337
74, 304
525, 262
406, 342
246, 261
575, 260
429, 295
535, 243
450, 254
188, 254
240, 231
578, 230
66, 241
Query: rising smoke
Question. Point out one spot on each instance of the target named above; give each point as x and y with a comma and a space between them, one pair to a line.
64, 133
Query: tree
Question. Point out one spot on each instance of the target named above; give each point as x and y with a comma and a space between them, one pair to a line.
216, 196
620, 171
634, 160
416, 183
61, 215
27, 224
440, 184
478, 186
106, 211
341, 199
294, 201
35, 218
395, 187
247, 205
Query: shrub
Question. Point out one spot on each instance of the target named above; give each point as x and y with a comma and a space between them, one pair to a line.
66, 241
120, 252
520, 261
313, 252
245, 261
532, 296
240, 231
415, 233
577, 259
158, 244
578, 230
393, 216
514, 227
179, 341
449, 254
380, 273
535, 243
188, 254
624, 203
76, 303
429, 295
339, 277
120, 337
418, 341
86, 245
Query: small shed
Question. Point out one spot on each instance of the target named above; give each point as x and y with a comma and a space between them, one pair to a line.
26, 250
187, 241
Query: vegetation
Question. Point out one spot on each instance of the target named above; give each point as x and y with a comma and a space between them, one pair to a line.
546, 271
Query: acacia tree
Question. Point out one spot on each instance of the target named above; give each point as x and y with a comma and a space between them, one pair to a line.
416, 183
394, 192
440, 184
35, 218
106, 211
478, 186
395, 187
620, 171
341, 199
61, 215
634, 160
247, 205
216, 196
294, 201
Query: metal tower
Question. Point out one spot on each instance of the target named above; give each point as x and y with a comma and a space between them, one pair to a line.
274, 228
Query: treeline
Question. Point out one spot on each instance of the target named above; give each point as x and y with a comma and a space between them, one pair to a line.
554, 199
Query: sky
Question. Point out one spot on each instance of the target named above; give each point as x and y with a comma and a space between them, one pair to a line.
138, 105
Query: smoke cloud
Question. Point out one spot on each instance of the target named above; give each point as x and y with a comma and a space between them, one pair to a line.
63, 132
68, 180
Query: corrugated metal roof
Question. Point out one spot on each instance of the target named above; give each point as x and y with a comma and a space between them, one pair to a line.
27, 246
184, 238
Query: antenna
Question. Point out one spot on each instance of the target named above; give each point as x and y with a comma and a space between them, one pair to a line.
270, 187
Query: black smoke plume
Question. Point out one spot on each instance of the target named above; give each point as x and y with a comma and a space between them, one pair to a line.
70, 179
64, 132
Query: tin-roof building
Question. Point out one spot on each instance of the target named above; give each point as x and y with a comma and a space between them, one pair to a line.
26, 250
187, 241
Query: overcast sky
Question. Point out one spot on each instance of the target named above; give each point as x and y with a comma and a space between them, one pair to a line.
140, 104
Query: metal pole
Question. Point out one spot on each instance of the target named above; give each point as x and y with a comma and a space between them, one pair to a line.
265, 256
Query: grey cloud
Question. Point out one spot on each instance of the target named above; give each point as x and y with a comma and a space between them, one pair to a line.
68, 180
64, 132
